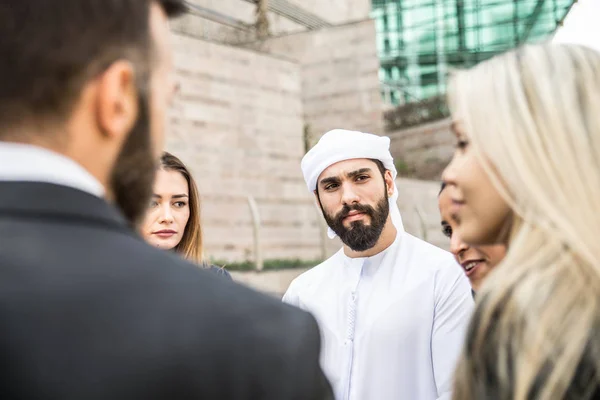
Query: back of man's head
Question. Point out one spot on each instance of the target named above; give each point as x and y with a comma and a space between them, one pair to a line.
50, 49
89, 79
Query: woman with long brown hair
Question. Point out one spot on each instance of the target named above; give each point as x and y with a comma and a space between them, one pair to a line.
526, 173
173, 218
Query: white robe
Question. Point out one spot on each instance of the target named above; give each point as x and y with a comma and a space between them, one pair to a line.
393, 324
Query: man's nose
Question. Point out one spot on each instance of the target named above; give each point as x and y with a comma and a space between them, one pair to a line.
349, 195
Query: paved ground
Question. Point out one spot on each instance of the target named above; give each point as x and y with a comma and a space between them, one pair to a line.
272, 282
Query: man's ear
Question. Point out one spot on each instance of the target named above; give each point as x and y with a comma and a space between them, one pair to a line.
316, 193
389, 182
117, 100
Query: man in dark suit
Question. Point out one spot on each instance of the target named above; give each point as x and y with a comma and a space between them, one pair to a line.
88, 310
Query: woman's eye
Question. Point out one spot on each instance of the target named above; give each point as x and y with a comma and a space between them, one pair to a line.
447, 231
153, 204
180, 204
462, 144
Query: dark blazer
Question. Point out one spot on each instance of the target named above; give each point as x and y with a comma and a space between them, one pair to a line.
219, 271
89, 311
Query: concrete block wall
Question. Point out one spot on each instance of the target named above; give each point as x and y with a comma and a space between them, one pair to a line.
340, 83
238, 124
425, 149
417, 201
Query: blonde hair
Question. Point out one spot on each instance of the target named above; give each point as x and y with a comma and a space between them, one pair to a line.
533, 119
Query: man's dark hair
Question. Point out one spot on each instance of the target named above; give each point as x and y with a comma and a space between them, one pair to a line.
380, 166
50, 49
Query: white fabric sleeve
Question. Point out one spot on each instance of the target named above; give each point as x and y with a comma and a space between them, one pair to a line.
453, 309
291, 296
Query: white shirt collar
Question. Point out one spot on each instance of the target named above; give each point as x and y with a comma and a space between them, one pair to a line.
374, 258
23, 162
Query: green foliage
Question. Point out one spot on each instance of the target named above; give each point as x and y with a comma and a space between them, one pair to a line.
402, 167
268, 265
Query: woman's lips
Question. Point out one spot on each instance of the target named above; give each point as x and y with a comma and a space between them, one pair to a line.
471, 265
165, 233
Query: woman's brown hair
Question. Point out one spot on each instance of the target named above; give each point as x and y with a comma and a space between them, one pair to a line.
190, 246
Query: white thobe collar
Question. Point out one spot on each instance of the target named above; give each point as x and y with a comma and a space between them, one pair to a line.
23, 162
368, 265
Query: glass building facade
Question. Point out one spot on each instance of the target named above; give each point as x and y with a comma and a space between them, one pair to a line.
420, 40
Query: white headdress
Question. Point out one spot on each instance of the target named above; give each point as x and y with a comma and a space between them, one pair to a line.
340, 145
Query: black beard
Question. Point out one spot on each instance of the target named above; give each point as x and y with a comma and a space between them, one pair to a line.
134, 171
360, 237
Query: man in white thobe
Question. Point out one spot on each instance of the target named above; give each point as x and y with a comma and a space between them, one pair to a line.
392, 308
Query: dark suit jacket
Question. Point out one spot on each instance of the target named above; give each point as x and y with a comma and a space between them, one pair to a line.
219, 271
89, 311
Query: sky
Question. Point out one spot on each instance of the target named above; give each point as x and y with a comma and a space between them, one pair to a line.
581, 25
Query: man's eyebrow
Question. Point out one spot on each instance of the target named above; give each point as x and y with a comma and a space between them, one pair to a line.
353, 174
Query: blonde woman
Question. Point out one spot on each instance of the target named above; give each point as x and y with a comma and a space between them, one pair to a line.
526, 173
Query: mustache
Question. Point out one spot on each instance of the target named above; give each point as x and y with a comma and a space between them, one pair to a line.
362, 208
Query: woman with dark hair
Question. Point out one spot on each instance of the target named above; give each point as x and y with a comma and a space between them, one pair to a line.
173, 219
476, 261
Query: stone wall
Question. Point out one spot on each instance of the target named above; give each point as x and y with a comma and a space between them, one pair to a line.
238, 124
417, 201
340, 84
339, 65
424, 151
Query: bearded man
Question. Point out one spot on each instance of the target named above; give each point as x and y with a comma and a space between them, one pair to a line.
392, 308
88, 309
